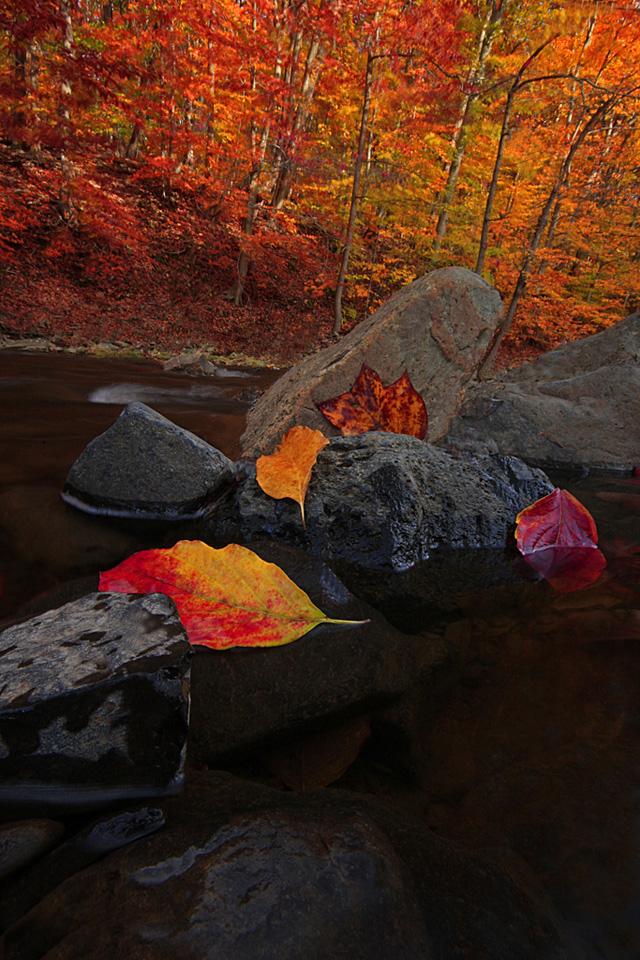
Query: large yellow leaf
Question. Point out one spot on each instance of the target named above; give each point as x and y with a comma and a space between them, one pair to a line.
286, 473
225, 598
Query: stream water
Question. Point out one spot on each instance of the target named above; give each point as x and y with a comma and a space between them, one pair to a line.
533, 744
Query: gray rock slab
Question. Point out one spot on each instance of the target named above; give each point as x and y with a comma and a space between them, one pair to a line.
145, 466
243, 697
574, 407
438, 328
386, 500
93, 702
244, 872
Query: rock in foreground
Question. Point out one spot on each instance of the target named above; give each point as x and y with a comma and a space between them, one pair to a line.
93, 702
243, 872
574, 407
386, 500
438, 328
241, 697
145, 466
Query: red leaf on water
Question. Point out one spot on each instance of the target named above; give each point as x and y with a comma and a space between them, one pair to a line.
558, 538
369, 405
568, 568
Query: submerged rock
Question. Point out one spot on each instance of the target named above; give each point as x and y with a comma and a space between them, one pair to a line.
88, 845
438, 328
93, 702
243, 696
574, 407
24, 841
385, 500
145, 466
243, 872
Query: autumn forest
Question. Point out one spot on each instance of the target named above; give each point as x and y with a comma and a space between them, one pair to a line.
259, 175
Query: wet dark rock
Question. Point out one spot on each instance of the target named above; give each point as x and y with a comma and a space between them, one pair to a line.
93, 702
576, 407
86, 847
242, 872
24, 841
438, 328
145, 466
241, 697
384, 500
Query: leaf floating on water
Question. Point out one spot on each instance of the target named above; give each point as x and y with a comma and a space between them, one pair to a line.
369, 405
225, 598
286, 473
558, 538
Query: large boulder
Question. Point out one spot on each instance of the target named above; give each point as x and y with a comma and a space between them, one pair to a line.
93, 702
438, 328
244, 696
145, 466
577, 406
244, 872
387, 500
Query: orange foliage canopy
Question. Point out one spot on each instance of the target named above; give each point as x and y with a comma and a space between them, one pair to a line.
225, 598
369, 405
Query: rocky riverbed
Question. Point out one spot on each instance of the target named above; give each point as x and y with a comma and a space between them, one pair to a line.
455, 779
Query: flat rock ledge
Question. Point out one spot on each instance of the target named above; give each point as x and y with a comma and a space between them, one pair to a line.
93, 702
574, 408
146, 467
385, 500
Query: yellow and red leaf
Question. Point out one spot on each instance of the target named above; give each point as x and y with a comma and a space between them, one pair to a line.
225, 598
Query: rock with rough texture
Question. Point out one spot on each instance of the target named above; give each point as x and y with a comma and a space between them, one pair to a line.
438, 328
386, 500
242, 697
577, 406
244, 872
24, 841
145, 466
93, 702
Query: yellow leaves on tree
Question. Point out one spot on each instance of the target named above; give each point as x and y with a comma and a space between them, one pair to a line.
225, 598
286, 473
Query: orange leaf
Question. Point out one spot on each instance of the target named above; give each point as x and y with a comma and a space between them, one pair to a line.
286, 473
369, 405
558, 538
225, 598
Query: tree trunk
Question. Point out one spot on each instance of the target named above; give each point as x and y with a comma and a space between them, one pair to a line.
517, 84
67, 208
285, 162
487, 364
459, 141
355, 191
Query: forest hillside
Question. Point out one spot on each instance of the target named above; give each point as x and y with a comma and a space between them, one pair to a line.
258, 175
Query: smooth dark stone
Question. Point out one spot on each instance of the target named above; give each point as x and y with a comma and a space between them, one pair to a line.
145, 466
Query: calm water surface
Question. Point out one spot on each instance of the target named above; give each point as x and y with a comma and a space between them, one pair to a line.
532, 748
